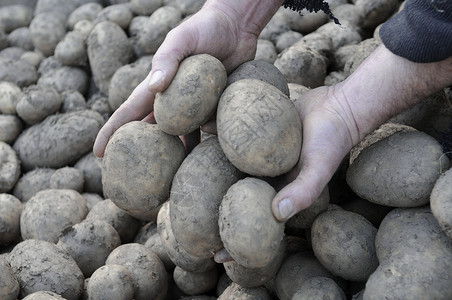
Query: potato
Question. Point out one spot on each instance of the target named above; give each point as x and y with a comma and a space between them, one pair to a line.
21, 37
15, 16
157, 27
47, 30
9, 167
266, 51
344, 242
195, 283
48, 267
440, 203
117, 13
260, 70
347, 12
340, 35
199, 81
155, 244
67, 178
44, 295
176, 253
10, 128
38, 102
399, 170
235, 291
304, 21
91, 167
13, 53
124, 81
112, 282
9, 286
107, 211
19, 72
63, 9
254, 277
91, 199
146, 269
145, 232
305, 218
89, 243
196, 193
258, 128
49, 64
86, 11
144, 7
84, 27
248, 229
302, 65
59, 140
140, 148
32, 182
296, 269
33, 58
287, 39
48, 212
373, 13
10, 210
415, 258
72, 101
71, 50
296, 91
10, 94
277, 25
319, 287
360, 53
66, 79
108, 49
318, 42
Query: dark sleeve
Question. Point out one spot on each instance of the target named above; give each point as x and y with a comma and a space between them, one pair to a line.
421, 32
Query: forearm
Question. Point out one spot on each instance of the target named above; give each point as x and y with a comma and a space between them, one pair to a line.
251, 15
386, 84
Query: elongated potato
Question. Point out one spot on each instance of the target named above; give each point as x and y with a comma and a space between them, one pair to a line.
259, 128
248, 229
192, 97
138, 167
196, 193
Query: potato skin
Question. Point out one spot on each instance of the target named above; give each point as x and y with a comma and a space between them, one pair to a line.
398, 171
138, 166
248, 229
111, 282
9, 167
440, 203
48, 212
195, 283
59, 140
259, 128
10, 128
319, 287
48, 267
235, 291
344, 242
192, 97
9, 286
37, 103
10, 210
196, 193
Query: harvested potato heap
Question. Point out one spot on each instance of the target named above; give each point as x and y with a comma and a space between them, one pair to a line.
147, 220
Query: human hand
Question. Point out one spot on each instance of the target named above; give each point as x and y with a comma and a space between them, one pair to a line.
227, 30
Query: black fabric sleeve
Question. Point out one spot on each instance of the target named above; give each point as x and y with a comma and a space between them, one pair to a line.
421, 32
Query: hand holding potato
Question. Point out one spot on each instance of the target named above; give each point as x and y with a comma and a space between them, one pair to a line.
218, 29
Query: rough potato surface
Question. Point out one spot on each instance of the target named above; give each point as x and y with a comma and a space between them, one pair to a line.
9, 286
37, 103
10, 210
319, 288
441, 204
195, 283
138, 166
344, 242
259, 128
196, 193
192, 97
398, 171
59, 140
9, 167
235, 291
48, 267
111, 282
248, 229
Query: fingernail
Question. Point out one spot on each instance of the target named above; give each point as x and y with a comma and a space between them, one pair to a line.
156, 77
286, 209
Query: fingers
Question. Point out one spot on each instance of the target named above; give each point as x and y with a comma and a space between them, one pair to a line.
222, 256
191, 140
136, 107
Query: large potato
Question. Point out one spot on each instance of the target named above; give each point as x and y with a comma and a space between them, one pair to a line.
59, 140
248, 229
196, 193
192, 97
138, 167
112, 282
344, 242
10, 94
399, 170
9, 167
108, 49
48, 212
48, 267
47, 30
32, 182
259, 128
441, 204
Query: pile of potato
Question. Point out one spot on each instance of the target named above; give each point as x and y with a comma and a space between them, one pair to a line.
145, 221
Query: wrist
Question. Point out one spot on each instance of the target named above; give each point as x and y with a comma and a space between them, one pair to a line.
386, 84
